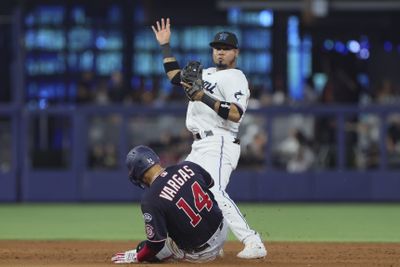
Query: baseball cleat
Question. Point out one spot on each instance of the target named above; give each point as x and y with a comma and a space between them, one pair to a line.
253, 250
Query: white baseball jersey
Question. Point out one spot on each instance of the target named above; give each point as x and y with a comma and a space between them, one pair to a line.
225, 85
217, 152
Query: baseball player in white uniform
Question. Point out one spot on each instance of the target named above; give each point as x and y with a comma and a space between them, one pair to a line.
213, 116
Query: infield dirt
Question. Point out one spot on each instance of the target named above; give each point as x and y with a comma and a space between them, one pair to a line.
98, 253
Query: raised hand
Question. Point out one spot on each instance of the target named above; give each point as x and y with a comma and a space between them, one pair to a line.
162, 31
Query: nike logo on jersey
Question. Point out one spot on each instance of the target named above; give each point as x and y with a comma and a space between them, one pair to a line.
238, 95
209, 87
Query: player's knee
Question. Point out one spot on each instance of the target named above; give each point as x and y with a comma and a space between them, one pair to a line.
223, 203
170, 250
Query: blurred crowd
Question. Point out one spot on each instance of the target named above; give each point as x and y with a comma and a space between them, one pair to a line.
339, 88
308, 144
116, 90
5, 145
297, 143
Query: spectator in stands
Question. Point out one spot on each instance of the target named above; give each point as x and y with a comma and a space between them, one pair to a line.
366, 152
346, 87
85, 87
296, 151
386, 93
117, 89
100, 96
254, 152
393, 141
5, 145
279, 94
96, 156
310, 96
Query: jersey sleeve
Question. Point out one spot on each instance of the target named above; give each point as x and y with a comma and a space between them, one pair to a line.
154, 220
235, 89
149, 251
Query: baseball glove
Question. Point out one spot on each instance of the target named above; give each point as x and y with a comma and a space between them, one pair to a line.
191, 75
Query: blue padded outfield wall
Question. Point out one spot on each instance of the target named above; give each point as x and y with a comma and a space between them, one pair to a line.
77, 182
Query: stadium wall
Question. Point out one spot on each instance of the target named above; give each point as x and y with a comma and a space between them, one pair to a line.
78, 183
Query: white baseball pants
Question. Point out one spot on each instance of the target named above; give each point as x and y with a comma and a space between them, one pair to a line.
219, 156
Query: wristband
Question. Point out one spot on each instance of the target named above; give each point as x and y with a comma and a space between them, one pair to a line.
171, 65
176, 80
166, 50
223, 109
208, 100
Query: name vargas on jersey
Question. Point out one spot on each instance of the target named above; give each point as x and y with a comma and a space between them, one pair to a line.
177, 180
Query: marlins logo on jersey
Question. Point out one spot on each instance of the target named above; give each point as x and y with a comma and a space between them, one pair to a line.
238, 95
229, 86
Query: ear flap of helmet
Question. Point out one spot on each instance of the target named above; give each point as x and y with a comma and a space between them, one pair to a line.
135, 180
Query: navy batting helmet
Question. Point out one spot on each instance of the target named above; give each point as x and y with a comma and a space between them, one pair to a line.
138, 161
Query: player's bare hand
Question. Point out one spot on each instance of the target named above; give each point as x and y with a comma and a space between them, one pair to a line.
162, 31
185, 85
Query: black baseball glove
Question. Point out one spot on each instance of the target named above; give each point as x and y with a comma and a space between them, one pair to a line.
191, 75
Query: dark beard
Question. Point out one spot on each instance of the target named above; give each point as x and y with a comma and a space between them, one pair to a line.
221, 66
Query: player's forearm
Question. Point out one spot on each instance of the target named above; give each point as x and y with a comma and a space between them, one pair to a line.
166, 50
234, 113
225, 110
149, 251
171, 65
146, 254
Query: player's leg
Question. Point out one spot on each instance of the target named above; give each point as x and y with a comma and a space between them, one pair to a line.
213, 152
219, 156
216, 243
254, 248
170, 251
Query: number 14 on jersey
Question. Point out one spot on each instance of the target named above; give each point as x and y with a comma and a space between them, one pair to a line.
201, 200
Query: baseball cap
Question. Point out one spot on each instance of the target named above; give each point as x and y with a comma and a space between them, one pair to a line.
225, 38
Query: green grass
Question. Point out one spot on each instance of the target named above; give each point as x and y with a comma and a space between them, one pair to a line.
276, 222
326, 222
